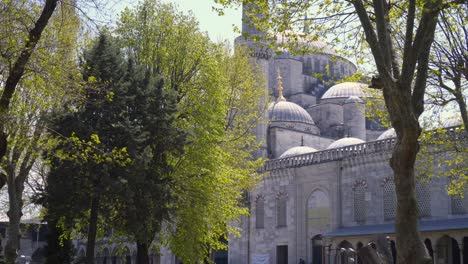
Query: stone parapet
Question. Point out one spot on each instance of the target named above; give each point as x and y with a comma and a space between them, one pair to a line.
329, 155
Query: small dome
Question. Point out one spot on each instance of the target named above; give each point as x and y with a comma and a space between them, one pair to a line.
353, 99
345, 142
297, 151
387, 134
283, 111
346, 90
452, 121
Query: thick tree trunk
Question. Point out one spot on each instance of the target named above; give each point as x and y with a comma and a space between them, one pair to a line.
409, 244
92, 230
142, 252
410, 247
15, 191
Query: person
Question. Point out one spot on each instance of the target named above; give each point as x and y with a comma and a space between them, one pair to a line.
301, 261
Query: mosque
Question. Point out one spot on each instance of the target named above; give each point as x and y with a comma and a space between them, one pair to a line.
327, 188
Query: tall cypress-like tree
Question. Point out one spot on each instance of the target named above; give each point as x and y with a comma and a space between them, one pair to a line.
152, 141
81, 167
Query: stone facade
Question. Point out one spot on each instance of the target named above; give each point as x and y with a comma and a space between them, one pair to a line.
336, 193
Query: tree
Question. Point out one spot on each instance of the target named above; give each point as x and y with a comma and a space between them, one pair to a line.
93, 161
133, 111
448, 80
399, 36
20, 60
153, 141
218, 162
22, 111
217, 107
63, 209
449, 61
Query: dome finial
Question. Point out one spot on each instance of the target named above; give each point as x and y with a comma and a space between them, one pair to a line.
280, 88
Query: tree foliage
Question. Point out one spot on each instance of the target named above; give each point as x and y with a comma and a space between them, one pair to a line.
91, 145
448, 77
29, 83
146, 115
448, 81
217, 106
399, 36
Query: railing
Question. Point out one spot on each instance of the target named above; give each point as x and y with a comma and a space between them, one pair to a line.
379, 146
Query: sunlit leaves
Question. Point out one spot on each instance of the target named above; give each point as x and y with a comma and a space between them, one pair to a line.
85, 151
217, 107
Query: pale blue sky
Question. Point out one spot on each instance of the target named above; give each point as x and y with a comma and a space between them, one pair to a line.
218, 27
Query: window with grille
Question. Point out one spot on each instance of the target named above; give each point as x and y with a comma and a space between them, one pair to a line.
360, 208
423, 196
281, 209
389, 199
260, 212
317, 66
458, 204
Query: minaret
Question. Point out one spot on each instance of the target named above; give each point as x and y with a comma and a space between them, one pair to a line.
240, 248
251, 36
247, 27
261, 55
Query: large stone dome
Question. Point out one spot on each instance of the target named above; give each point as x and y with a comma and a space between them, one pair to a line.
284, 111
345, 142
346, 90
297, 151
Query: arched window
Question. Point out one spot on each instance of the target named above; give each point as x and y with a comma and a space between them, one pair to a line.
448, 250
281, 209
114, 256
360, 207
389, 198
423, 196
154, 257
260, 211
318, 210
317, 249
126, 256
105, 256
345, 252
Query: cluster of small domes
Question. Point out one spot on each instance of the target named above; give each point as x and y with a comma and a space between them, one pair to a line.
283, 111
